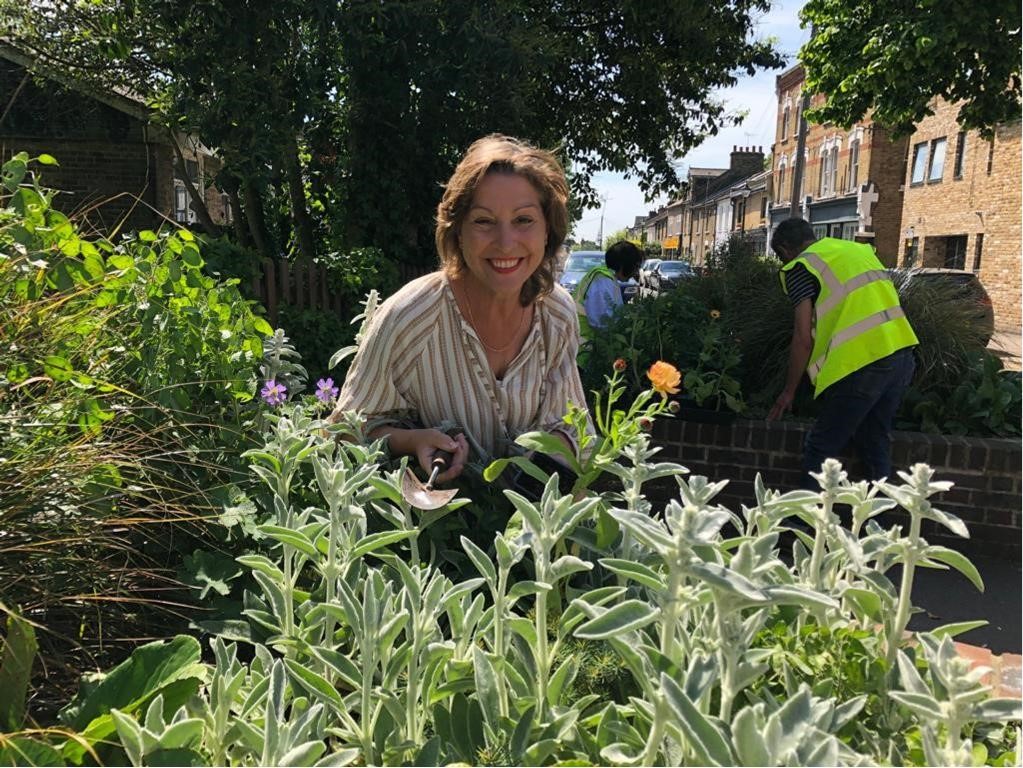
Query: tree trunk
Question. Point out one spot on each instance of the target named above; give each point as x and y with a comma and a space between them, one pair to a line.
238, 219
254, 215
198, 203
296, 191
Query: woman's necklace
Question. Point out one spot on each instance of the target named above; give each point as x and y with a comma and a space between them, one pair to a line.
479, 334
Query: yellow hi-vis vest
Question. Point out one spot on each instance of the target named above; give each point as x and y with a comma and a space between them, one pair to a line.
857, 317
585, 329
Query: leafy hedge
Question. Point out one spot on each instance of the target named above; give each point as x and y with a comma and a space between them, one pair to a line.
126, 376
959, 386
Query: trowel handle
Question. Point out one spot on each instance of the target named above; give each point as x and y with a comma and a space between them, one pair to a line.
440, 460
438, 463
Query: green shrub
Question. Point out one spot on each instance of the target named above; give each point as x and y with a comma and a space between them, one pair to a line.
125, 378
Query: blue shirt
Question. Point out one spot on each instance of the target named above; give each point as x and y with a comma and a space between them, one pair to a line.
601, 300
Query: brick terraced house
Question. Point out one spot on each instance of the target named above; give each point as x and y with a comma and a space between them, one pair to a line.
118, 171
963, 204
852, 179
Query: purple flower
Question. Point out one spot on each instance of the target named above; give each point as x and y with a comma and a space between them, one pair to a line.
274, 393
326, 392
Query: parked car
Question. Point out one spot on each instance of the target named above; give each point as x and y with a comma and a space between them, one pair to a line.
970, 290
645, 271
577, 265
630, 289
668, 274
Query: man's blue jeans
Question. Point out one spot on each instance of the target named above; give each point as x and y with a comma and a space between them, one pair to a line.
860, 408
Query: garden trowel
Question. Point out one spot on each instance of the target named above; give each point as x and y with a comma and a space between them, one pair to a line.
426, 496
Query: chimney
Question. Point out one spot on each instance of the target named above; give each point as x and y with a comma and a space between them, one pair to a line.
747, 160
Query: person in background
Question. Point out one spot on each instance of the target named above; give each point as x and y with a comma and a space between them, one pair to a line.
467, 358
599, 294
851, 337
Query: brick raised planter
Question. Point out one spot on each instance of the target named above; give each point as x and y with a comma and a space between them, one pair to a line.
986, 472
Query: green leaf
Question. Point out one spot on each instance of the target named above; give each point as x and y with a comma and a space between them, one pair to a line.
749, 740
57, 368
957, 560
315, 684
377, 541
291, 538
607, 529
131, 684
486, 686
704, 739
921, 704
624, 617
479, 558
45, 159
637, 572
865, 604
957, 628
20, 648
997, 711
561, 680
25, 750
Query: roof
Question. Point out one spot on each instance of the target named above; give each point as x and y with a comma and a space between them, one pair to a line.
706, 172
130, 104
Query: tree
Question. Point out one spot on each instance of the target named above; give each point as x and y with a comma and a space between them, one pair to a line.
615, 237
894, 57
367, 106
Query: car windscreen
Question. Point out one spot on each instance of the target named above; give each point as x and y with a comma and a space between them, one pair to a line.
583, 263
674, 267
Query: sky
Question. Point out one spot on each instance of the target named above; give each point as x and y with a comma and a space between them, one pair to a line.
625, 201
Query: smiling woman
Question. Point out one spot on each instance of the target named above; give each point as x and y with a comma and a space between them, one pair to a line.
466, 359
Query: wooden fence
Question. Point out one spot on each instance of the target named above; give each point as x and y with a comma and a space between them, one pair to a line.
306, 286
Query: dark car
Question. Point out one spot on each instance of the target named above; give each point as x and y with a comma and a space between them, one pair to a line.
668, 274
630, 289
961, 285
577, 265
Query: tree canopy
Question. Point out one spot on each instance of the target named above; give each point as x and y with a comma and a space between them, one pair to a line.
895, 56
338, 122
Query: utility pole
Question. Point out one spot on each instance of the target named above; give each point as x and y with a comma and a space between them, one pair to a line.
797, 176
600, 232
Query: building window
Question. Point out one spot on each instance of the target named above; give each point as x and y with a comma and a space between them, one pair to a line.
936, 166
957, 171
977, 251
854, 165
990, 156
820, 230
779, 194
763, 206
848, 230
180, 202
912, 250
955, 252
919, 163
785, 124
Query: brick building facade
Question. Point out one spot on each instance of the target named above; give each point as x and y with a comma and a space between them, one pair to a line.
852, 179
118, 171
962, 206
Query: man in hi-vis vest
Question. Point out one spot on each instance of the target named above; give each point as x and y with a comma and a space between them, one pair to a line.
599, 294
851, 337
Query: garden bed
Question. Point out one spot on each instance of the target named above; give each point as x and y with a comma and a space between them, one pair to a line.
986, 471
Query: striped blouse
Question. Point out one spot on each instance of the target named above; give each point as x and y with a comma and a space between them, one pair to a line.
421, 360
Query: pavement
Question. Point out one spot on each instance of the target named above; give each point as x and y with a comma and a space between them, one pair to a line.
948, 596
1007, 343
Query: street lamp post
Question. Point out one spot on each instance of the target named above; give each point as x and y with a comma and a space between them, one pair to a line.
600, 232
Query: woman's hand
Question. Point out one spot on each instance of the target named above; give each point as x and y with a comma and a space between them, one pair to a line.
424, 443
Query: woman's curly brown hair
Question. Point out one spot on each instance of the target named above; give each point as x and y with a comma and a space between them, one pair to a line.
503, 154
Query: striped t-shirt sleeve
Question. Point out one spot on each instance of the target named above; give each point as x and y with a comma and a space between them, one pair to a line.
801, 285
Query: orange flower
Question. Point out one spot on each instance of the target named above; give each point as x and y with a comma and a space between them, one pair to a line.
619, 364
715, 314
664, 378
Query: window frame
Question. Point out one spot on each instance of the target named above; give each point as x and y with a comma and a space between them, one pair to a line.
960, 158
920, 155
853, 167
941, 142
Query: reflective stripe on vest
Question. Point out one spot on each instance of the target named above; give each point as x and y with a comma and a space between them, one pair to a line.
838, 289
851, 332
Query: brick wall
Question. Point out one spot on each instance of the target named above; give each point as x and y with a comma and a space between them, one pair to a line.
884, 164
978, 203
986, 472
